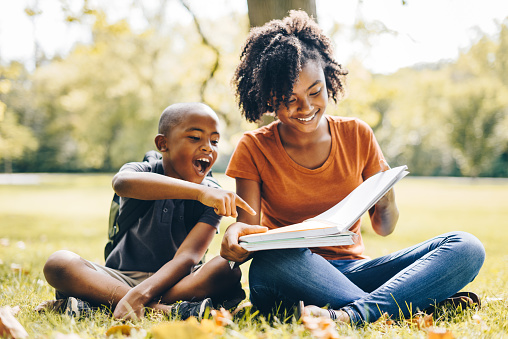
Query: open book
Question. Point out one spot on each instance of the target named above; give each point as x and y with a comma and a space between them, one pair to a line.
330, 228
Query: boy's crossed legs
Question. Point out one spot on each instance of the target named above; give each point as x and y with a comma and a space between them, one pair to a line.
72, 275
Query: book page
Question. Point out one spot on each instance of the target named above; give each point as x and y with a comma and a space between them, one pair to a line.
352, 207
342, 216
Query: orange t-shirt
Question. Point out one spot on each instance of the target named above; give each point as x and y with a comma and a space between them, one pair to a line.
291, 193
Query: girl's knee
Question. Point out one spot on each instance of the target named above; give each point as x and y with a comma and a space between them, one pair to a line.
471, 247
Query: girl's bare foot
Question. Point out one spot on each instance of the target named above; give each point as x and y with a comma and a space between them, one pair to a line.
336, 315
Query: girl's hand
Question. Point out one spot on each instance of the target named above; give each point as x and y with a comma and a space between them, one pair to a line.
384, 165
230, 249
224, 202
384, 214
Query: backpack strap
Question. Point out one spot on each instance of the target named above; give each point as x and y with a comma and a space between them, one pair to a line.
120, 223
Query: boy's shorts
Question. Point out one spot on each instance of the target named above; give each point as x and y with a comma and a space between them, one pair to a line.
131, 278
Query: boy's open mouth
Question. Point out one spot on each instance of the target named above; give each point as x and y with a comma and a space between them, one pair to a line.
202, 164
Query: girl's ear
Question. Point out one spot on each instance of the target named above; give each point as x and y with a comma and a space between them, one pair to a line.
160, 142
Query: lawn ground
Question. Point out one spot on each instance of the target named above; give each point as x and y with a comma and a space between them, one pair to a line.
40, 214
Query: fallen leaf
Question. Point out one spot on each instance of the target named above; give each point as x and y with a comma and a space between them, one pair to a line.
321, 327
15, 310
9, 326
439, 333
210, 326
222, 317
121, 329
422, 321
17, 268
189, 328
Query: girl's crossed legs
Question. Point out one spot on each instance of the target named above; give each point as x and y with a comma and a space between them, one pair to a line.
400, 283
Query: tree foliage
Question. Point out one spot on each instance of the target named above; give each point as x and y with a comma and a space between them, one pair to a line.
97, 107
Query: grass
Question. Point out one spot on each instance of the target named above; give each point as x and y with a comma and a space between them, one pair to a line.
71, 211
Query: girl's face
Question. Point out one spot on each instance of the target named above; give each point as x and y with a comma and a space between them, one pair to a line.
308, 100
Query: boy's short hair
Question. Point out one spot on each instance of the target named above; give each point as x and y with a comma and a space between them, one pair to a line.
174, 115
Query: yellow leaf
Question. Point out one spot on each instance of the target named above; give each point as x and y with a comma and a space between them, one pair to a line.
9, 326
439, 333
122, 329
180, 330
222, 317
321, 327
423, 321
209, 326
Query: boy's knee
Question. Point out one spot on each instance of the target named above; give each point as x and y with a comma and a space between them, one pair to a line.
58, 263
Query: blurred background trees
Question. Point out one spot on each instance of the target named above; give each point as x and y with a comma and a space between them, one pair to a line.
98, 106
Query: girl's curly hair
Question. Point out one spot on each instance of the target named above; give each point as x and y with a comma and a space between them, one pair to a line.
272, 59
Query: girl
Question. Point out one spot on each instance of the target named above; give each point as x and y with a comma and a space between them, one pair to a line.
304, 163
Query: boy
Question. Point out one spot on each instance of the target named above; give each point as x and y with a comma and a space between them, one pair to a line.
155, 264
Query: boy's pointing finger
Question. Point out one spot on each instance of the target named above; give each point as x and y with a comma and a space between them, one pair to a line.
243, 205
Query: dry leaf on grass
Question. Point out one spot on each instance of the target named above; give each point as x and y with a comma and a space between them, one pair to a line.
9, 326
210, 326
222, 317
121, 329
321, 327
17, 268
439, 333
189, 328
422, 321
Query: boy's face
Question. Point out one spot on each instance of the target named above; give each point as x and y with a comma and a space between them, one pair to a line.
190, 148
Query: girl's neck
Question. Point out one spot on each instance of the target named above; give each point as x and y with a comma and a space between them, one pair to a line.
309, 150
294, 138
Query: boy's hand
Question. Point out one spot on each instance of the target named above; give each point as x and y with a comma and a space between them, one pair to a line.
130, 307
230, 249
224, 202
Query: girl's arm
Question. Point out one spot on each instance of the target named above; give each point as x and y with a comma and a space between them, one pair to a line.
385, 214
189, 254
153, 186
246, 223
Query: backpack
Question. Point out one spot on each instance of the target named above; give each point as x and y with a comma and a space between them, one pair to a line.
119, 224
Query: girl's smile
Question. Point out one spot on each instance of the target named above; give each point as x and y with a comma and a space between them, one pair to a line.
308, 101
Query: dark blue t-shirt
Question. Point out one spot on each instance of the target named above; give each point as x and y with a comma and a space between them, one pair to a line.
160, 230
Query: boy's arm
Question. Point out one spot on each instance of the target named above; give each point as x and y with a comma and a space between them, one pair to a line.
189, 254
153, 186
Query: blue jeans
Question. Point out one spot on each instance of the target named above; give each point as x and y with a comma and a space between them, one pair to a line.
399, 284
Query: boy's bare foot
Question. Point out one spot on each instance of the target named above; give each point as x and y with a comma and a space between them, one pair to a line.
336, 315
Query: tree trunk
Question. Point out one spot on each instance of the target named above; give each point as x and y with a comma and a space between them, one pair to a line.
262, 11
